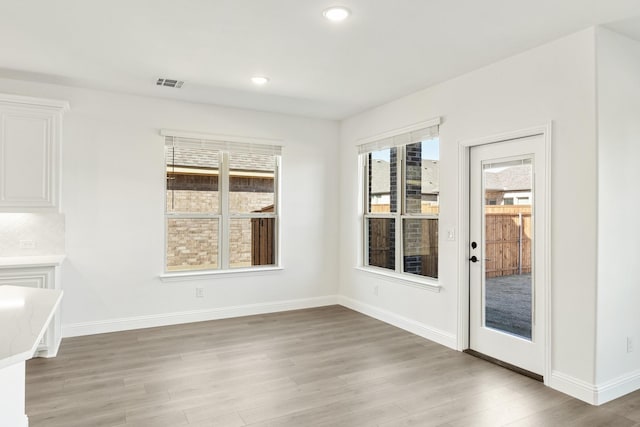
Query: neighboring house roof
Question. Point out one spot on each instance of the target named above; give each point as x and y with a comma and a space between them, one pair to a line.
207, 159
511, 178
430, 177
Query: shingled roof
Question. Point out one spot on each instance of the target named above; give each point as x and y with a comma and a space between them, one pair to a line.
430, 177
512, 178
208, 159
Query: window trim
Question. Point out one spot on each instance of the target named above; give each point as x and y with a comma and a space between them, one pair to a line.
403, 278
224, 215
365, 147
179, 276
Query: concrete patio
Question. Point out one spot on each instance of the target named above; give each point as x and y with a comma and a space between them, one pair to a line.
508, 304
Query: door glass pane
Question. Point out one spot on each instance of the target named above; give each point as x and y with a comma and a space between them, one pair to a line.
422, 177
251, 183
382, 242
192, 180
382, 181
508, 193
192, 244
420, 252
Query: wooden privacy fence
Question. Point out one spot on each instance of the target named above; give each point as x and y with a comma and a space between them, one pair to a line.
263, 238
381, 243
508, 240
422, 260
426, 208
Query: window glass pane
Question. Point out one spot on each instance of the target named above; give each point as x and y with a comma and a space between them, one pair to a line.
382, 180
382, 242
192, 244
251, 183
252, 242
192, 180
420, 240
422, 177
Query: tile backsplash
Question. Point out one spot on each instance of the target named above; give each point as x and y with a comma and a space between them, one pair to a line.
24, 234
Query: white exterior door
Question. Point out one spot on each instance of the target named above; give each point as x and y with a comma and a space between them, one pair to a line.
507, 227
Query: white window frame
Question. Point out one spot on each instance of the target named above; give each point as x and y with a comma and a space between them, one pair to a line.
225, 146
398, 139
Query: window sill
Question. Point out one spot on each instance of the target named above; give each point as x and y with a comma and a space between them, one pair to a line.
211, 274
429, 285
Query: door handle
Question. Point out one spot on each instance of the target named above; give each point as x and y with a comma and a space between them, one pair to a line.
473, 259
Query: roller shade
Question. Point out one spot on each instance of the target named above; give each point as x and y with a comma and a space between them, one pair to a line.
221, 144
403, 137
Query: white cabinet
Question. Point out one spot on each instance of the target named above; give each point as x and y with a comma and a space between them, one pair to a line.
23, 320
36, 272
30, 141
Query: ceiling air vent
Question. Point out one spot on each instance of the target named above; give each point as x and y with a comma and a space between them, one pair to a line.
170, 83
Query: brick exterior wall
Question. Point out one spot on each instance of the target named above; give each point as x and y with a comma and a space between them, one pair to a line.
192, 243
412, 229
393, 184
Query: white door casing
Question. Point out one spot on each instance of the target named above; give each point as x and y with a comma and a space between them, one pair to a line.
537, 357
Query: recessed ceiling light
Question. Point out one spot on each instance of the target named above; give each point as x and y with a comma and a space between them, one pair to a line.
260, 80
336, 13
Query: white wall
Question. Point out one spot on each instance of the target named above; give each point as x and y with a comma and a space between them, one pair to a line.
555, 82
112, 197
618, 208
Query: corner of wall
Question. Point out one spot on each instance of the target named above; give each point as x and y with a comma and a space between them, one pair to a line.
433, 334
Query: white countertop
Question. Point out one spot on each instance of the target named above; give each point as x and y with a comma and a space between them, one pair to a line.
31, 261
25, 314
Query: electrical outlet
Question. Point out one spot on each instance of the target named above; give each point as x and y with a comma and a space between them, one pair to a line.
199, 292
629, 344
27, 244
375, 290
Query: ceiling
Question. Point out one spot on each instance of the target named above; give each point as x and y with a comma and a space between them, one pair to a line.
386, 49
629, 27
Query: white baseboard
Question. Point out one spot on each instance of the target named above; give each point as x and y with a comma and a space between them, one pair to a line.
618, 387
592, 393
573, 387
441, 337
164, 319
150, 321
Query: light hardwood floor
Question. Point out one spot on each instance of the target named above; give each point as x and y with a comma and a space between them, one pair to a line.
328, 366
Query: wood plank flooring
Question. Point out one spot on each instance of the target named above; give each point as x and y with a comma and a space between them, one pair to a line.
328, 366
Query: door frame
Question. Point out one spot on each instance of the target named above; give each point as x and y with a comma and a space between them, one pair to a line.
464, 148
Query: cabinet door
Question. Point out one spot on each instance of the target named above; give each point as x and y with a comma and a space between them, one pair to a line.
33, 278
28, 162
